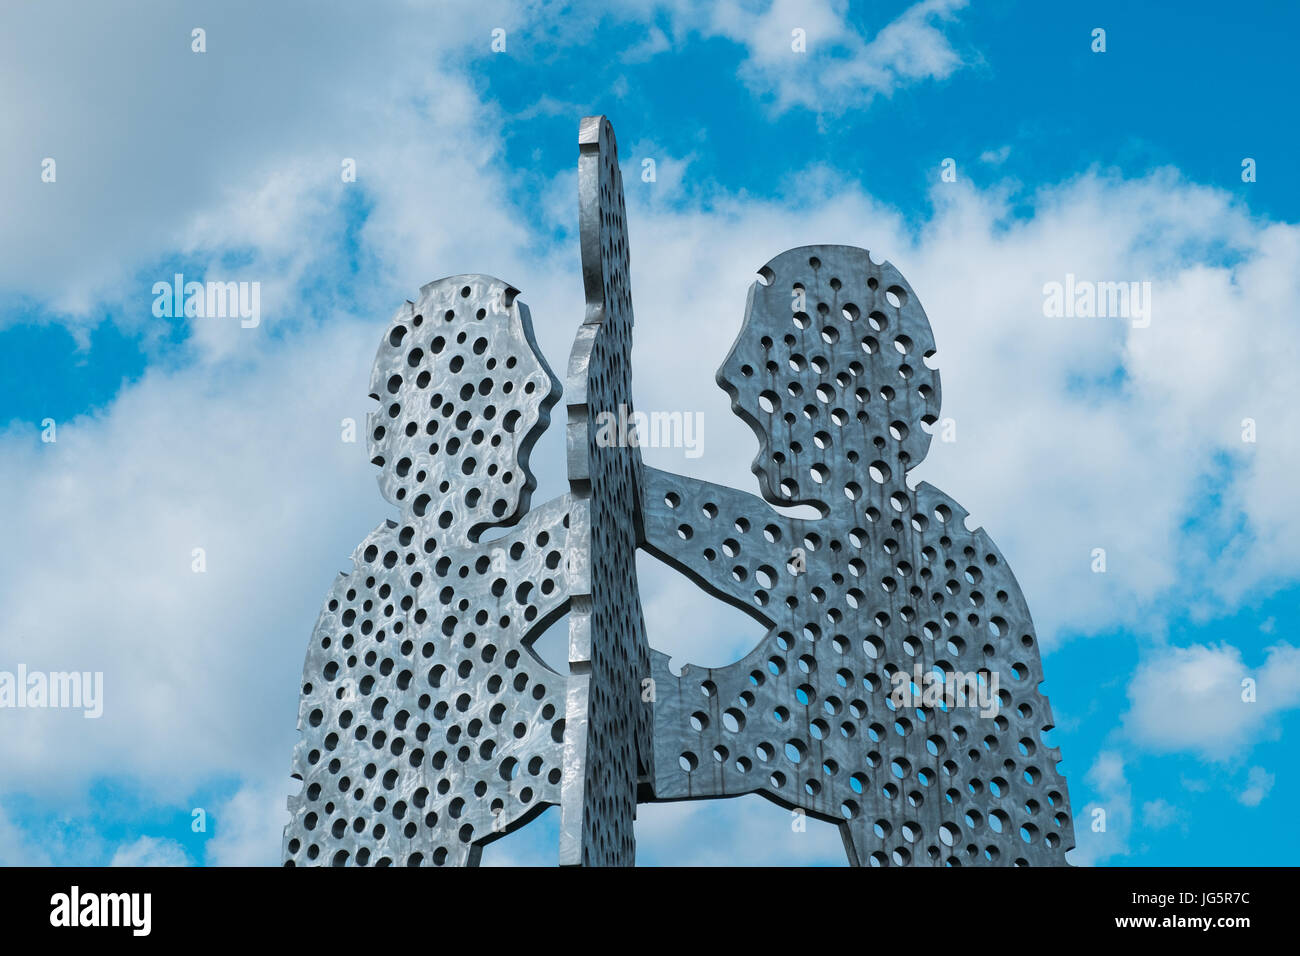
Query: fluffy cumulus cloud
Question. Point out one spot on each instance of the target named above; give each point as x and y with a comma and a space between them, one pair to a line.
1205, 700
812, 55
171, 175
1072, 434
171, 527
165, 169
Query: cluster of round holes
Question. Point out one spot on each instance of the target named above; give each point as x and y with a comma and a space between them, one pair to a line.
461, 395
615, 710
833, 374
888, 585
428, 723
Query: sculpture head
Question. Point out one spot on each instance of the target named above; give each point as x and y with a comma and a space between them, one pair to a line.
464, 393
829, 371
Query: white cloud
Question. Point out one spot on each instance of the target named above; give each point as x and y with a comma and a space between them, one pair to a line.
1159, 814
840, 68
995, 157
1102, 827
1191, 699
151, 851
1259, 783
669, 171
742, 831
241, 459
149, 169
17, 848
248, 828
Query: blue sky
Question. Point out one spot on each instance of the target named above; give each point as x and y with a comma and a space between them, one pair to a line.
181, 433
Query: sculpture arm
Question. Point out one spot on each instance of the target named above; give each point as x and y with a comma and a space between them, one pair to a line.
732, 544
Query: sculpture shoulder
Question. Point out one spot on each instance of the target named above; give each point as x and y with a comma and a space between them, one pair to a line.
943, 513
973, 583
395, 561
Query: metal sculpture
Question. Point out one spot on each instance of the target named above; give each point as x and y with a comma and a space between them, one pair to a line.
895, 692
847, 708
428, 725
